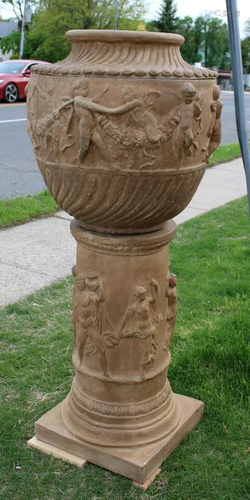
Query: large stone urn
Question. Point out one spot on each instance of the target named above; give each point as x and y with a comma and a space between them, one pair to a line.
122, 130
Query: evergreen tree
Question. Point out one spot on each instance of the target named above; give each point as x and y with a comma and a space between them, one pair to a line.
167, 21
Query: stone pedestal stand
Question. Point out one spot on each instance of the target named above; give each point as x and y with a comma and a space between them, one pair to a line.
122, 131
121, 412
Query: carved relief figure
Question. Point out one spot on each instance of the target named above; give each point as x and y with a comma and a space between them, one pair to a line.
144, 118
187, 117
93, 330
171, 294
214, 130
128, 133
92, 116
141, 321
42, 131
85, 113
30, 91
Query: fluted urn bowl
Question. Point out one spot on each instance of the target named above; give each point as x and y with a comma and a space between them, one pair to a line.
121, 128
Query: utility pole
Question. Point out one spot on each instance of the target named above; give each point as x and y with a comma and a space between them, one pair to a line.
240, 112
22, 31
116, 14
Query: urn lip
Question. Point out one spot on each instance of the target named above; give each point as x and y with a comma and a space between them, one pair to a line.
113, 36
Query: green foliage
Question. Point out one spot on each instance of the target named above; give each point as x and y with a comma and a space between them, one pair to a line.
167, 21
206, 37
10, 43
245, 49
206, 40
210, 361
46, 37
191, 49
215, 43
225, 153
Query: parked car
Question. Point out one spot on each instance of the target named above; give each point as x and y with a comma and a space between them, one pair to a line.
14, 76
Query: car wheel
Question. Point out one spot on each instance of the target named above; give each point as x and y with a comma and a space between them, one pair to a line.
11, 93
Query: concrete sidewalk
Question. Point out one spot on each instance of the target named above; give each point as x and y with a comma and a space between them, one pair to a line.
38, 253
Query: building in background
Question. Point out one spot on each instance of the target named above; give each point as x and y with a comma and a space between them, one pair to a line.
224, 79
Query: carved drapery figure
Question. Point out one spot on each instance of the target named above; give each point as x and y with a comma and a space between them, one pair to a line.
93, 330
141, 322
171, 294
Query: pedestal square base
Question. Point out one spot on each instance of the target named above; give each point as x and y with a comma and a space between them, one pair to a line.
137, 463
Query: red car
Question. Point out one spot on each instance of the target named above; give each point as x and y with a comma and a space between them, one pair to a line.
14, 76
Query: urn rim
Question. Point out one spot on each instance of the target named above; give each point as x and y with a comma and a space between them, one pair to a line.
114, 36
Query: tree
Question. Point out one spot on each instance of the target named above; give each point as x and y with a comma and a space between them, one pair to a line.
245, 48
206, 40
167, 21
215, 42
46, 38
191, 49
11, 43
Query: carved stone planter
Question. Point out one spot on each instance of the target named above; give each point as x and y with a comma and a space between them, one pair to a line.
122, 130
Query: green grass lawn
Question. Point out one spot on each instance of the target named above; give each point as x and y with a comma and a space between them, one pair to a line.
20, 210
210, 361
225, 153
23, 209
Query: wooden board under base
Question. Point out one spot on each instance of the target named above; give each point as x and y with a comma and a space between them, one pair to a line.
149, 481
56, 452
135, 463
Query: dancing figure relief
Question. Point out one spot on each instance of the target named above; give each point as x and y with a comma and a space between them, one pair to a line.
171, 294
92, 327
141, 321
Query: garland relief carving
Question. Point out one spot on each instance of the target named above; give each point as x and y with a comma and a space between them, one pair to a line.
132, 134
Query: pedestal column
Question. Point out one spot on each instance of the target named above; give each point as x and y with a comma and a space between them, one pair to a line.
121, 411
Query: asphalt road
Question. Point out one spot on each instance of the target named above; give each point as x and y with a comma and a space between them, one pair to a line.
19, 173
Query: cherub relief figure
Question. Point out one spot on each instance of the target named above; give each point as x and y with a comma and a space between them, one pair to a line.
141, 321
136, 134
129, 133
187, 118
214, 130
93, 330
40, 129
85, 113
92, 115
144, 118
171, 294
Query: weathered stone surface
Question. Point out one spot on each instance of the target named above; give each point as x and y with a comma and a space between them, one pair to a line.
121, 140
122, 131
